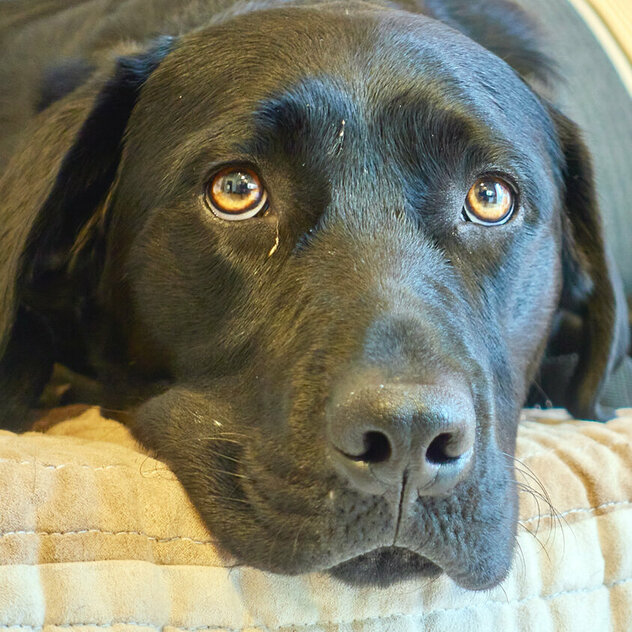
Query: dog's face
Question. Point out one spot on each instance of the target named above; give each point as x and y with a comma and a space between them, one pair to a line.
328, 259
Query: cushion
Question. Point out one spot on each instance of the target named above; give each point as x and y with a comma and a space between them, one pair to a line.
95, 533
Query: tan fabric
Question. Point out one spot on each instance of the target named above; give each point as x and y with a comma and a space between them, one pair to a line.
611, 23
94, 534
617, 16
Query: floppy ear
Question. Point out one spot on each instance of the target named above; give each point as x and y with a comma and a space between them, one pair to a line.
591, 335
54, 196
503, 28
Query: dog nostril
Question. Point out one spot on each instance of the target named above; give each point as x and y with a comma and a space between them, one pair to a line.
438, 451
377, 448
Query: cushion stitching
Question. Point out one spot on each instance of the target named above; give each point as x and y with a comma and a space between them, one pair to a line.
612, 503
617, 503
59, 466
106, 532
403, 615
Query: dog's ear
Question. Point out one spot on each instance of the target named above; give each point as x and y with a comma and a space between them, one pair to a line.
503, 28
54, 197
591, 333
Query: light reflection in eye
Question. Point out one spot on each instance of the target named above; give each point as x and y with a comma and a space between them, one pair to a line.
236, 193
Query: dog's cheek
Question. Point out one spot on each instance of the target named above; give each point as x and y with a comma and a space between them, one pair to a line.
474, 529
531, 293
187, 296
196, 435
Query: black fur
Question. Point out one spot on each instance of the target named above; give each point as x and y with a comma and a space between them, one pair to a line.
230, 344
61, 80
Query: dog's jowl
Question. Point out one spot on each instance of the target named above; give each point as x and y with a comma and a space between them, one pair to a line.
315, 250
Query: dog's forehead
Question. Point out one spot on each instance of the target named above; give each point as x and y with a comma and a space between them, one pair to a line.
378, 84
371, 53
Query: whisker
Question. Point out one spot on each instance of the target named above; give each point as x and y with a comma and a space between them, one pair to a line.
221, 455
528, 471
558, 519
527, 489
535, 537
504, 592
540, 494
521, 552
537, 496
209, 438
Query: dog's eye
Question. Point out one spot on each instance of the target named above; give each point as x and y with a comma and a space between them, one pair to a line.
490, 201
236, 193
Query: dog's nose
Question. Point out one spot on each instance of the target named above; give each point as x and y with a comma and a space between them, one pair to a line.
383, 434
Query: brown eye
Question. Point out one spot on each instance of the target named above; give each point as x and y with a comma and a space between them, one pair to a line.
490, 201
236, 193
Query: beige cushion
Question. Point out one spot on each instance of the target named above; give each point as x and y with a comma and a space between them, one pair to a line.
617, 17
611, 23
94, 533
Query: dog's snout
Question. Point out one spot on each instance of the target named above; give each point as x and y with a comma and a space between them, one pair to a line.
383, 434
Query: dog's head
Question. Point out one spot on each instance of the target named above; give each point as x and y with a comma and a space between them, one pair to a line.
318, 252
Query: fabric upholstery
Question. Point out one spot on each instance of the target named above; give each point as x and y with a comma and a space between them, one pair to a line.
95, 533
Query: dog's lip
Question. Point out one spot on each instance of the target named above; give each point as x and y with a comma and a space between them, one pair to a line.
383, 565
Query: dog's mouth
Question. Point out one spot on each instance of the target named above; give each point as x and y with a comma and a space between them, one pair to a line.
383, 566
281, 514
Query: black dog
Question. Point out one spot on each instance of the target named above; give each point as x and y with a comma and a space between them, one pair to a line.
316, 249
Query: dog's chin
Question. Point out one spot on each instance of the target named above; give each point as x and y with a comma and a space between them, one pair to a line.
384, 566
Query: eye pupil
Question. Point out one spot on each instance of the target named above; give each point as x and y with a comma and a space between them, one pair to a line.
236, 191
487, 194
236, 183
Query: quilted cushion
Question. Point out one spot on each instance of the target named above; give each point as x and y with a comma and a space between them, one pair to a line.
95, 533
